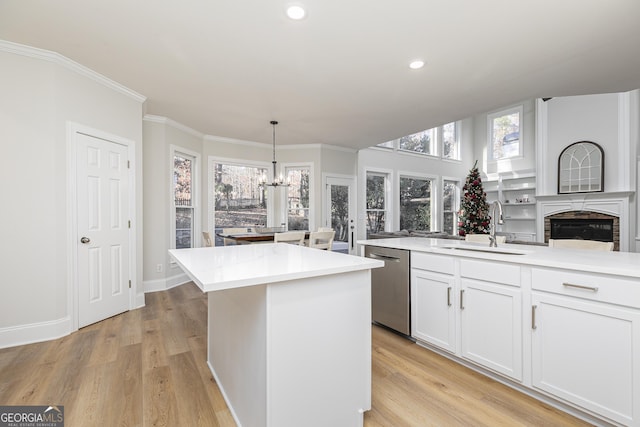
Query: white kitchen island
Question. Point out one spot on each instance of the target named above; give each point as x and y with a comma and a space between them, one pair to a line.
289, 331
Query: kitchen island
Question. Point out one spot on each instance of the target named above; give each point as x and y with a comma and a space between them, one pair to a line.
289, 331
562, 325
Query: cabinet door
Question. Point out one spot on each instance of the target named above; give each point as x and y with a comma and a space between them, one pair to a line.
491, 326
433, 309
586, 352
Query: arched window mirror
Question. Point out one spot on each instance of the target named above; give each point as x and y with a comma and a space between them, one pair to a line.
581, 168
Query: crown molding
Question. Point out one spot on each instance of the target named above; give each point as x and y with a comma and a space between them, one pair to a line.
225, 140
170, 122
56, 58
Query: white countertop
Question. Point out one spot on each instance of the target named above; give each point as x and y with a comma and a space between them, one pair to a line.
617, 263
226, 267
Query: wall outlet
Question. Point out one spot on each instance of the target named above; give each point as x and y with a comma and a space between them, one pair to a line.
159, 268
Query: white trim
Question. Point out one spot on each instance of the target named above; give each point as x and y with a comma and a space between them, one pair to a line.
73, 129
170, 122
35, 332
165, 283
233, 141
542, 142
312, 201
47, 55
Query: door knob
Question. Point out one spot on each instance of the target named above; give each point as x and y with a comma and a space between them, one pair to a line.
85, 240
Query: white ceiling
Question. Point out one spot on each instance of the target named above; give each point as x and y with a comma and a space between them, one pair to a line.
341, 75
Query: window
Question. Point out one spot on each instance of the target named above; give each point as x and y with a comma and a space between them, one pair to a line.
238, 200
421, 142
450, 141
388, 144
415, 203
298, 198
376, 203
504, 131
183, 196
450, 203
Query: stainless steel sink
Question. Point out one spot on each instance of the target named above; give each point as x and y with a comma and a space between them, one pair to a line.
486, 249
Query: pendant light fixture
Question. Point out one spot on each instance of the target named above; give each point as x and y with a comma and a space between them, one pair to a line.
277, 181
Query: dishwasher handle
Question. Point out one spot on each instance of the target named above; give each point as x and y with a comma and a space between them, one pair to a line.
383, 257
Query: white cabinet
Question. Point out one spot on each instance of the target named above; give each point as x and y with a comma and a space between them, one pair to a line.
486, 314
490, 304
586, 342
433, 314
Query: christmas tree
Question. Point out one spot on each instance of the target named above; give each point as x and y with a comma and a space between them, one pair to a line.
474, 216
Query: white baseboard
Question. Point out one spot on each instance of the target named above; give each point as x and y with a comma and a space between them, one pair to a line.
35, 332
164, 284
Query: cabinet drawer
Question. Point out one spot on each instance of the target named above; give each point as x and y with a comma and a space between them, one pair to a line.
597, 287
431, 262
497, 272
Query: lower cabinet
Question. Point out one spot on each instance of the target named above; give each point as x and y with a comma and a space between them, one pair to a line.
433, 314
491, 326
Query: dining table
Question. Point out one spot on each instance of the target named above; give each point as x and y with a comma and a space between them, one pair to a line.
254, 237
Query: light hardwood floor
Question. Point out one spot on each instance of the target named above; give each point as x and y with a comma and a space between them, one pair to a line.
147, 367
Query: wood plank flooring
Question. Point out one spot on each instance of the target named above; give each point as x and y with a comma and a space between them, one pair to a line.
147, 367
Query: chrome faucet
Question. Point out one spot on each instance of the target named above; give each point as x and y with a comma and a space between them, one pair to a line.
492, 227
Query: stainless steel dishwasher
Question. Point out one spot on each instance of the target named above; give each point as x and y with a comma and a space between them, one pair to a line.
390, 297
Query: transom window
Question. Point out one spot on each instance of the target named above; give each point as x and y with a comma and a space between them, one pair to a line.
442, 140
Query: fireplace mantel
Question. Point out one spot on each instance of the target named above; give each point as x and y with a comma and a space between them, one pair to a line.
611, 203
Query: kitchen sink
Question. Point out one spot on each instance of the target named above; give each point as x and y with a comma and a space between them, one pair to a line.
486, 249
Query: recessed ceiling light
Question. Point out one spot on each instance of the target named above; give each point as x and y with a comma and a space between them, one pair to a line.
295, 11
417, 64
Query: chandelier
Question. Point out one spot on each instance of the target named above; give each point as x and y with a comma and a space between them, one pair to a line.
278, 181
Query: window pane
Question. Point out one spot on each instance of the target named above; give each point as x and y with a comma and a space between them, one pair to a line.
450, 144
375, 202
450, 207
298, 199
415, 204
505, 136
182, 168
184, 227
239, 200
420, 142
388, 144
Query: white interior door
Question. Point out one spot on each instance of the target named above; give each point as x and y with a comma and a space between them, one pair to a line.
102, 180
340, 212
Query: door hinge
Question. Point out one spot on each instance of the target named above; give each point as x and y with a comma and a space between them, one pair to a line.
129, 284
129, 223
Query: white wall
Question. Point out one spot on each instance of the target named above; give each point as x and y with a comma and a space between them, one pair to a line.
41, 93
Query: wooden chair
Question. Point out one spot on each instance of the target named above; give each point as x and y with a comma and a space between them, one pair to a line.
581, 244
206, 236
292, 237
483, 238
321, 239
231, 242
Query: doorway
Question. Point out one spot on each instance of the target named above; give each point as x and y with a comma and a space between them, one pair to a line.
102, 239
339, 211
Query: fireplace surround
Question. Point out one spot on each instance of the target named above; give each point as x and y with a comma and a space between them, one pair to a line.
586, 225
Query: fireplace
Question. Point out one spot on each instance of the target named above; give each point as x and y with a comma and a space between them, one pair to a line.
584, 225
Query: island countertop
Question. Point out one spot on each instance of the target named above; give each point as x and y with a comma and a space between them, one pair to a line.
615, 263
227, 267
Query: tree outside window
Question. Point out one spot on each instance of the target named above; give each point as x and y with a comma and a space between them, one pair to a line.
298, 198
421, 142
450, 198
450, 141
183, 200
415, 203
376, 202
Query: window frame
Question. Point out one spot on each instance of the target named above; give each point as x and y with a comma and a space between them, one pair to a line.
434, 179
211, 214
437, 145
388, 198
490, 132
195, 157
286, 167
457, 130
456, 198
